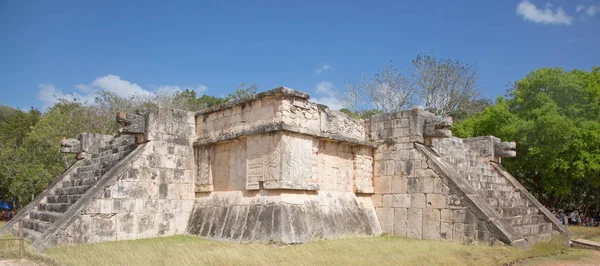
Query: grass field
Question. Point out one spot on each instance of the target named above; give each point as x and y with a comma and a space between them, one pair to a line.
188, 250
383, 250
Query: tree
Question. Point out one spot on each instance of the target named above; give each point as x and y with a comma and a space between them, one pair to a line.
447, 87
243, 91
389, 90
553, 117
442, 86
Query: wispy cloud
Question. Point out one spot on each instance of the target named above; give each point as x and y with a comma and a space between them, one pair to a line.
588, 10
323, 68
546, 15
86, 93
327, 95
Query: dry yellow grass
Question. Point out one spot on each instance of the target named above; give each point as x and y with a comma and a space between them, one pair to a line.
189, 250
384, 250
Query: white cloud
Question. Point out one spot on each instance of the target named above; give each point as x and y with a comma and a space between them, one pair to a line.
323, 68
589, 11
120, 87
49, 96
547, 15
86, 93
328, 96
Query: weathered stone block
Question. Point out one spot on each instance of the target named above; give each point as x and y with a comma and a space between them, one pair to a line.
401, 201
415, 223
418, 201
436, 201
399, 184
400, 220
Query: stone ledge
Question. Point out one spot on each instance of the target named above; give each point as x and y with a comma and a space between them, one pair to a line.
273, 127
277, 91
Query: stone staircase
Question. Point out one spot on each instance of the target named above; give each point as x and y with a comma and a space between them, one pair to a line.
514, 208
71, 189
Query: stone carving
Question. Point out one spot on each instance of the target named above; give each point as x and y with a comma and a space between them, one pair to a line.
133, 123
437, 127
505, 149
70, 146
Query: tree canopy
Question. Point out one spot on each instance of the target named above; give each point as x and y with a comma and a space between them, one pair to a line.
554, 116
441, 86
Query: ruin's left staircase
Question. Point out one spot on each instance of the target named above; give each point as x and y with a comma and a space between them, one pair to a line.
68, 188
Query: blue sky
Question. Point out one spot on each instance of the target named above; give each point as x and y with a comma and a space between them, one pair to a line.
60, 47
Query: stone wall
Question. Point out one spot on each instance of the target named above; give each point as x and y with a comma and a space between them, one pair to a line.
410, 198
150, 193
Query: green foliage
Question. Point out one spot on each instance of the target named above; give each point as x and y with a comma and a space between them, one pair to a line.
553, 117
243, 91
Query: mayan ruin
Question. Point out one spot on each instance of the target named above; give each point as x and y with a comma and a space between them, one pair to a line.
278, 168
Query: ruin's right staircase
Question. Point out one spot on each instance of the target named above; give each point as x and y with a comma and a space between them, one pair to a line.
71, 186
509, 201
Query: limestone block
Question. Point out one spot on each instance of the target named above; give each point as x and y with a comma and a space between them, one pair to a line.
263, 159
387, 201
126, 229
401, 201
431, 229
415, 185
145, 223
446, 231
418, 200
436, 200
400, 219
298, 159
104, 228
458, 232
106, 206
363, 169
386, 219
427, 184
446, 215
383, 184
415, 223
399, 184
377, 200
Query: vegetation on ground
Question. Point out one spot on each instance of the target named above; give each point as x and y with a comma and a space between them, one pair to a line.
384, 250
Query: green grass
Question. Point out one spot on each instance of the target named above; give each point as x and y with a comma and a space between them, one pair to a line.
384, 250
585, 232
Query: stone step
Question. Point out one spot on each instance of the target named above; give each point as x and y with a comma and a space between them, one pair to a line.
543, 237
28, 234
516, 211
526, 219
63, 198
45, 216
54, 207
534, 229
72, 190
36, 225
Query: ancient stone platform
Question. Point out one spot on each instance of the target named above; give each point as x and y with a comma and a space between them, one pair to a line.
278, 168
